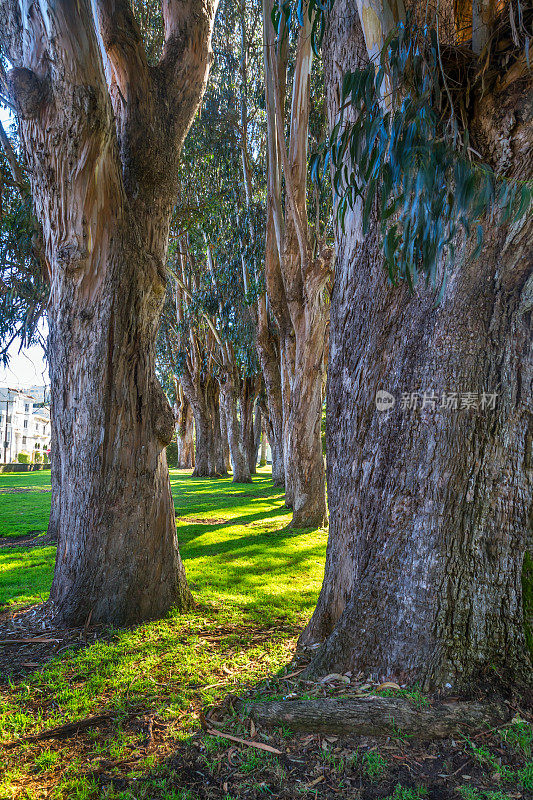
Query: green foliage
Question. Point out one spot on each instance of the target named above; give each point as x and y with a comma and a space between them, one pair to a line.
317, 11
37, 457
23, 457
406, 158
172, 455
23, 292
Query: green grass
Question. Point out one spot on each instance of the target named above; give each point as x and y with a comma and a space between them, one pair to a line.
255, 582
22, 512
230, 561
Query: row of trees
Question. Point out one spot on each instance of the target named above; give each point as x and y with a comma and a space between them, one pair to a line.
429, 127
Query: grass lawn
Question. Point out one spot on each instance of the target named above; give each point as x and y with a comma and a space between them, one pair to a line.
255, 582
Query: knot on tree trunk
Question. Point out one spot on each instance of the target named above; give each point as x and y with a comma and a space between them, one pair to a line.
27, 91
162, 416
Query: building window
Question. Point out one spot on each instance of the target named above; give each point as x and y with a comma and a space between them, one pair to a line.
25, 423
26, 408
8, 418
23, 440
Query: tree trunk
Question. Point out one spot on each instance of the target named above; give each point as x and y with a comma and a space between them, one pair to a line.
210, 461
250, 386
184, 434
224, 438
430, 506
104, 185
237, 443
263, 450
296, 272
304, 444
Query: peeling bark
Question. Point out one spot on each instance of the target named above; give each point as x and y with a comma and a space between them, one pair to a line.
104, 184
295, 278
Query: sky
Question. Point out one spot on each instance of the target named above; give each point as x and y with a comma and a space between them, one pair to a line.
27, 368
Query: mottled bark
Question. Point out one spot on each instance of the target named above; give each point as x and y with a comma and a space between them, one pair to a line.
430, 505
229, 400
185, 432
296, 269
224, 439
256, 443
104, 184
210, 453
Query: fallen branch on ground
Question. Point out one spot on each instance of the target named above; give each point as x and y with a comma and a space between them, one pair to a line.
69, 729
247, 742
377, 716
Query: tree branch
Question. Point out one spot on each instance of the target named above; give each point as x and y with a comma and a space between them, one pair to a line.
188, 25
123, 46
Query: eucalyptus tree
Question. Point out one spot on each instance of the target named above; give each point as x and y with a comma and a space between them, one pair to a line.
101, 128
297, 264
220, 229
429, 400
188, 346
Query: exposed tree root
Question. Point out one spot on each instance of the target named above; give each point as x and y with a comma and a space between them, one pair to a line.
378, 716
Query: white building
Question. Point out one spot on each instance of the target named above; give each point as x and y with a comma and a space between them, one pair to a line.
23, 427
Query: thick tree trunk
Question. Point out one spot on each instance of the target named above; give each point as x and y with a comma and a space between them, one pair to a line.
210, 460
185, 433
294, 276
237, 443
116, 507
104, 185
430, 503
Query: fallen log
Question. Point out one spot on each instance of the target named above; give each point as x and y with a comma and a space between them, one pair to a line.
378, 716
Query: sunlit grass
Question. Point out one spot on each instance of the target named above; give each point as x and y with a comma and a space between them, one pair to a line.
255, 582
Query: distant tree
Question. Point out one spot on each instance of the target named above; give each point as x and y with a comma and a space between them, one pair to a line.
297, 263
101, 127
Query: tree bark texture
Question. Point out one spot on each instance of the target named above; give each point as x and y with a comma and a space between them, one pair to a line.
104, 184
185, 433
430, 506
229, 401
296, 273
210, 451
379, 716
